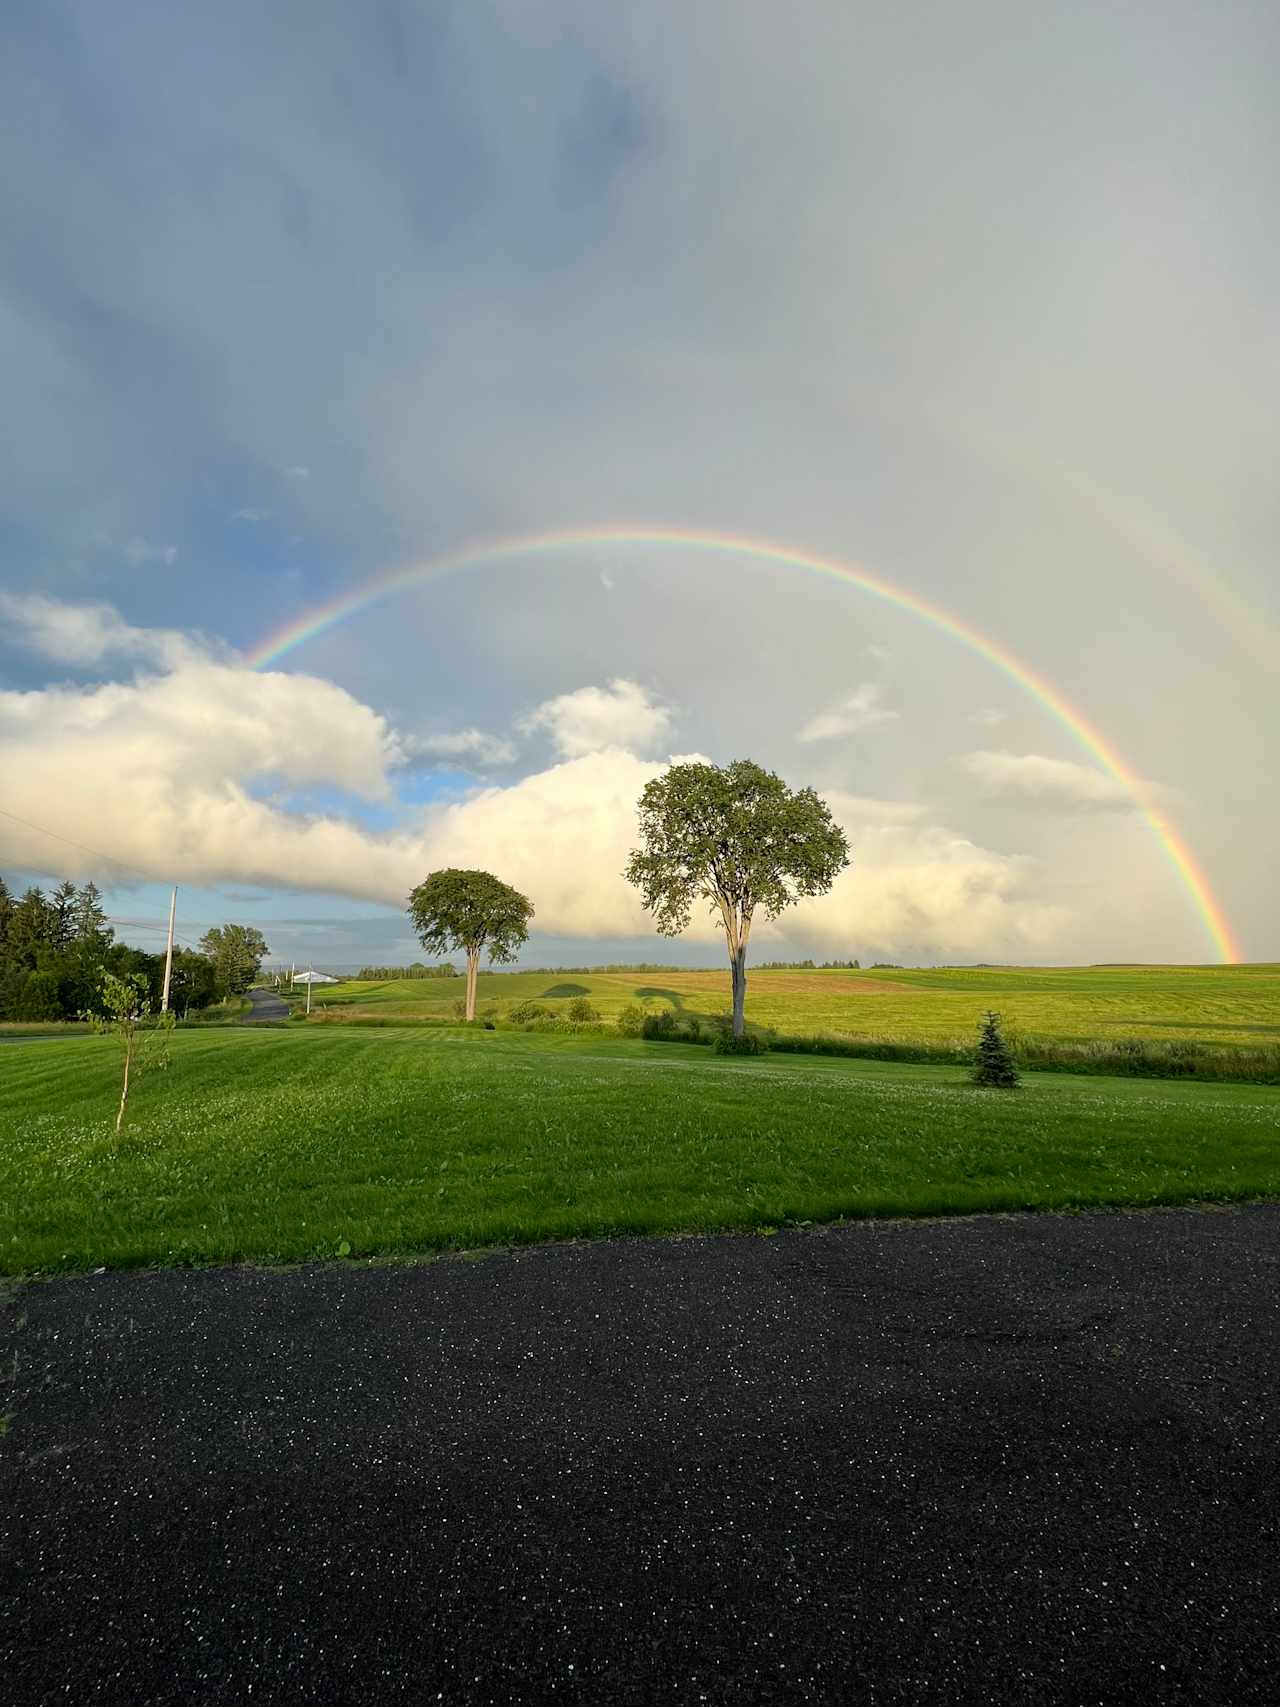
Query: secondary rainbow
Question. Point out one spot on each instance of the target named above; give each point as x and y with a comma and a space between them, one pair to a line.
390, 582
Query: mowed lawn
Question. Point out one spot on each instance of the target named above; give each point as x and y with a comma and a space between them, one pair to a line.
1219, 1005
292, 1143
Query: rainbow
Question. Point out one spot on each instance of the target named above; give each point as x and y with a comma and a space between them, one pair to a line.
390, 582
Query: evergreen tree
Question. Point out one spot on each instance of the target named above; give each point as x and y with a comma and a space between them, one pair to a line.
993, 1062
30, 931
90, 919
64, 914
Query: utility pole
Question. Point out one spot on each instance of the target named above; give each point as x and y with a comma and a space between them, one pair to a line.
312, 970
168, 951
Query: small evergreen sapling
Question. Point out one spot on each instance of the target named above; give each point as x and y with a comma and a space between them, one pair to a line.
993, 1063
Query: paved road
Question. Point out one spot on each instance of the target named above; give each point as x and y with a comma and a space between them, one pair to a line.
266, 1006
1009, 1459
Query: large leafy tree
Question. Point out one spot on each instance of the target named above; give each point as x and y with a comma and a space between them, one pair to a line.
466, 912
237, 953
738, 838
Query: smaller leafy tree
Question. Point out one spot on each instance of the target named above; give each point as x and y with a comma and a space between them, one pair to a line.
455, 911
581, 1011
237, 953
124, 1011
993, 1061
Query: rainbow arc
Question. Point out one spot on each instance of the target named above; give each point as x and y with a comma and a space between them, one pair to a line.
391, 582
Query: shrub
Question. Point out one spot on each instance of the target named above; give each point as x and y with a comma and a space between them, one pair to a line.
581, 1012
750, 1043
460, 1009
631, 1020
37, 997
993, 1063
523, 1012
660, 1026
693, 1028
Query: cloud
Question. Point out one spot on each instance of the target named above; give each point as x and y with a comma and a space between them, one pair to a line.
988, 717
473, 744
138, 551
87, 634
251, 515
1048, 785
916, 887
591, 719
861, 710
169, 771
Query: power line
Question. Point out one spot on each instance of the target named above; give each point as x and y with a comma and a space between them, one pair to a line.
97, 853
109, 859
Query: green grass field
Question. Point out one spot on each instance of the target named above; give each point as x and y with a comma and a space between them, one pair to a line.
314, 1141
1220, 1004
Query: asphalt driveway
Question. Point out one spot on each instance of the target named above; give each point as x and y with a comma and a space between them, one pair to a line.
266, 1006
1007, 1459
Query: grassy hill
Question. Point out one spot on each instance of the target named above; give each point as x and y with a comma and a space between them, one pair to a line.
304, 1141
1220, 1005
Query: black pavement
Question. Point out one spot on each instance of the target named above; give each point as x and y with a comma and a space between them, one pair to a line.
1003, 1459
267, 1006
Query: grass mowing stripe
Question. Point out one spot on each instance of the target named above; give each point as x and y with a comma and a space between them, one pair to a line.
283, 1145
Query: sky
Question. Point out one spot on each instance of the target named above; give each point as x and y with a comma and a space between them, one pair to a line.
979, 302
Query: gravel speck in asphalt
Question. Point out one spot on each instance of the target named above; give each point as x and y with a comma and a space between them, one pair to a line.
1002, 1459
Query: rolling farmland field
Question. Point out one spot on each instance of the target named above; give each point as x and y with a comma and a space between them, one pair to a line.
1221, 1005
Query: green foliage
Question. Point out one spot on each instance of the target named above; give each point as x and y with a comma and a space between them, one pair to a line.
732, 836
737, 838
380, 974
236, 953
54, 950
750, 1043
631, 1020
124, 1011
456, 910
36, 997
525, 1012
993, 1061
659, 1027
580, 1010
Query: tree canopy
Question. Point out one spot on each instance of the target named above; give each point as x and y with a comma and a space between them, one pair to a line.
469, 911
54, 949
737, 837
237, 953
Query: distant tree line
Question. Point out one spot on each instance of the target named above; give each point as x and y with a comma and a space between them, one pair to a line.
417, 970
809, 966
55, 949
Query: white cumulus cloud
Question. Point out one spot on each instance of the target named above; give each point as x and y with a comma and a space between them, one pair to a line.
592, 718
1048, 785
167, 774
473, 744
85, 634
849, 716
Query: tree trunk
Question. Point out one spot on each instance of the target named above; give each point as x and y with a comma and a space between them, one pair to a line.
124, 1089
473, 962
738, 968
